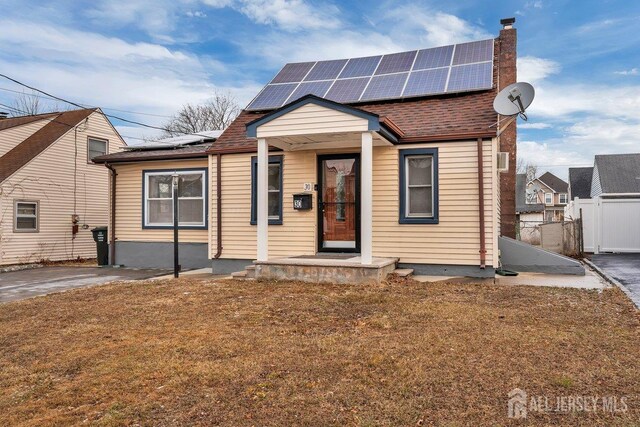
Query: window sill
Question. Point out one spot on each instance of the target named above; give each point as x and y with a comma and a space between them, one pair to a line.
170, 227
418, 221
271, 222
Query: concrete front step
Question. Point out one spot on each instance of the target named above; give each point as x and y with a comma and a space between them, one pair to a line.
251, 271
403, 272
239, 274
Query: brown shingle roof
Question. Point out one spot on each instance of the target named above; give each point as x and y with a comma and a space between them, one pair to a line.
35, 144
180, 152
448, 117
23, 120
554, 183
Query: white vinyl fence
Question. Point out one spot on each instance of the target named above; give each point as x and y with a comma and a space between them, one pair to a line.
609, 225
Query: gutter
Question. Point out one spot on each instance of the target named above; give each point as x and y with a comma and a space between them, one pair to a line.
483, 250
112, 228
218, 206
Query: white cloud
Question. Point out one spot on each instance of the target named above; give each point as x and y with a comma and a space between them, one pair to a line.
289, 15
153, 16
532, 69
631, 72
195, 14
527, 125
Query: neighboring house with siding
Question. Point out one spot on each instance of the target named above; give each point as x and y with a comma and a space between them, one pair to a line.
143, 226
530, 215
51, 192
550, 191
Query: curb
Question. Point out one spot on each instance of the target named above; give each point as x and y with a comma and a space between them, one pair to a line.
610, 279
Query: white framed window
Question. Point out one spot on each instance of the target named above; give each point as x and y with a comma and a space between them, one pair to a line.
158, 198
563, 198
419, 182
419, 186
25, 216
548, 198
96, 147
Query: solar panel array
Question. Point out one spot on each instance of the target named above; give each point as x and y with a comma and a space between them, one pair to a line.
447, 69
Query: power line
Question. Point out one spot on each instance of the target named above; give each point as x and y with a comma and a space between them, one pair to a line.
104, 114
85, 105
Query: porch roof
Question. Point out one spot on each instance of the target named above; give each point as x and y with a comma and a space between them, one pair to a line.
437, 118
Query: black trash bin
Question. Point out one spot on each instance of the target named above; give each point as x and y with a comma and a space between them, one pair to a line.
102, 244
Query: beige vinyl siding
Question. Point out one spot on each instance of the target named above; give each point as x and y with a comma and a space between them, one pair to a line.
13, 136
312, 119
129, 194
295, 236
49, 179
455, 240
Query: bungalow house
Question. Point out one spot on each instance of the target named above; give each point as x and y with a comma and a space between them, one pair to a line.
141, 223
550, 191
369, 163
51, 191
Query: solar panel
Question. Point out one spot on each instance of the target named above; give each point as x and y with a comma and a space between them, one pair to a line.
471, 77
396, 62
357, 67
273, 96
326, 70
347, 90
314, 88
467, 53
433, 58
426, 82
293, 72
445, 69
385, 87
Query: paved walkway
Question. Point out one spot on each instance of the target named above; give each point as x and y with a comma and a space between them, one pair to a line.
625, 268
23, 284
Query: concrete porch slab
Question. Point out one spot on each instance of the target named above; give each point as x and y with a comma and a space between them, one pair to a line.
325, 269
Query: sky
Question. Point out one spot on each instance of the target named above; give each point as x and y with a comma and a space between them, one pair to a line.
143, 59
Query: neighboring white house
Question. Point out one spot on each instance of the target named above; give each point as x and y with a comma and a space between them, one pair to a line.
611, 214
51, 192
530, 215
551, 192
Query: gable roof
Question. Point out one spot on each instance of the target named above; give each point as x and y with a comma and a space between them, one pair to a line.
521, 196
553, 182
23, 120
619, 173
373, 120
14, 159
580, 182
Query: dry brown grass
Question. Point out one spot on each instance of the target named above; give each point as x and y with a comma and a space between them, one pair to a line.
192, 352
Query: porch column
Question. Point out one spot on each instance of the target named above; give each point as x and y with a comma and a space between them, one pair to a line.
366, 199
263, 200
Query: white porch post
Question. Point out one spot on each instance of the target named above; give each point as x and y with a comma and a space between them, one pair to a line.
366, 199
262, 189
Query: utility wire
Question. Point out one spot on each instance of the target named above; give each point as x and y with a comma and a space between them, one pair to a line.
85, 105
104, 114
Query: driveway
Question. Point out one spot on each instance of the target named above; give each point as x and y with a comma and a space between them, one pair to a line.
22, 284
625, 268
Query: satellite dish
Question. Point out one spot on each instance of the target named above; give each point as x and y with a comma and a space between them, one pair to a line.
514, 99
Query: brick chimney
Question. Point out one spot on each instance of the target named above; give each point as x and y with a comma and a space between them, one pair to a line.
507, 74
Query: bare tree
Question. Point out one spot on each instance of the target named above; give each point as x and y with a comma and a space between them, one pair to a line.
530, 169
216, 113
27, 104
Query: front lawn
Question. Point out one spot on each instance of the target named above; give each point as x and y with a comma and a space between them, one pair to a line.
192, 352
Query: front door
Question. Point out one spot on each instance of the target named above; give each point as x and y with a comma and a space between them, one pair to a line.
338, 203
